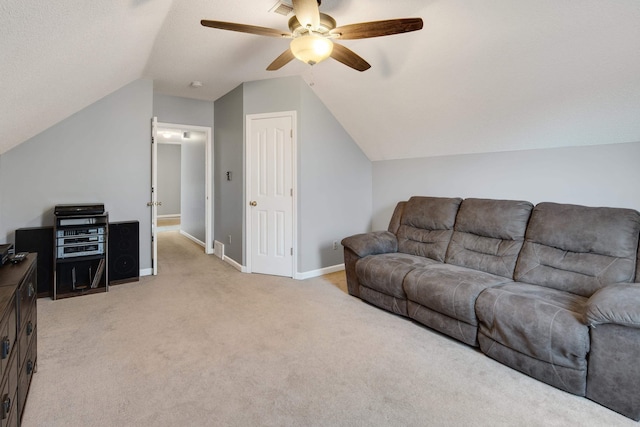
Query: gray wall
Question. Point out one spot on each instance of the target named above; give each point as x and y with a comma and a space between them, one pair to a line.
184, 111
169, 168
334, 176
100, 154
273, 95
228, 150
603, 175
193, 191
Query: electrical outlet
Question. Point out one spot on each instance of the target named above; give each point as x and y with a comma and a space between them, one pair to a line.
229, 238
335, 245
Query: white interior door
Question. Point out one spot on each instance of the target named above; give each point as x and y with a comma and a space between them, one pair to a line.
270, 191
154, 196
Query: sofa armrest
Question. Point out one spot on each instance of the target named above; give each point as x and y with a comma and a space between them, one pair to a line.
377, 242
618, 304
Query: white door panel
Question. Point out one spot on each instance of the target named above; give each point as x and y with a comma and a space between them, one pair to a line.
270, 161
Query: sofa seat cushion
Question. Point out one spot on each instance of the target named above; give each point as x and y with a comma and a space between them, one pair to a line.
385, 273
543, 323
449, 289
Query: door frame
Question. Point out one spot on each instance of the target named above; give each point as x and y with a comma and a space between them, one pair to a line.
153, 204
208, 248
294, 184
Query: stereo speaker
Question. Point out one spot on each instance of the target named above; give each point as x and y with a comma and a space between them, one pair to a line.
40, 240
124, 252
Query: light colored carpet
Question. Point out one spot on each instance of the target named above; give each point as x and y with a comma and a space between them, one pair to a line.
168, 224
168, 221
204, 345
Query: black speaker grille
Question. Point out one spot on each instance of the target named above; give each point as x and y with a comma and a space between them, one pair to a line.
124, 252
39, 240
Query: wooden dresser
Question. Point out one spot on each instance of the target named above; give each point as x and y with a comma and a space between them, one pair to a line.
18, 346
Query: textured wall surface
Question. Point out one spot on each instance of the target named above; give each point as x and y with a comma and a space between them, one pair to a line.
100, 154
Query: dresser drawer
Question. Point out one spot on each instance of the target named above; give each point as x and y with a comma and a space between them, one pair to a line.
18, 322
27, 333
26, 372
7, 336
26, 296
9, 395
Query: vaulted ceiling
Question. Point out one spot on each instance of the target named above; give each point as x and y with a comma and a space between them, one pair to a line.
481, 76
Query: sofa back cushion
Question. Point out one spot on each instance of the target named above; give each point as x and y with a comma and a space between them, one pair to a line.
637, 279
489, 234
394, 223
579, 249
426, 226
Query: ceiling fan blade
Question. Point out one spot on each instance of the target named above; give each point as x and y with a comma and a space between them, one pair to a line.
242, 28
307, 13
281, 61
349, 58
365, 30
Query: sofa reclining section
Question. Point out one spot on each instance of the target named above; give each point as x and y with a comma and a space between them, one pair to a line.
548, 290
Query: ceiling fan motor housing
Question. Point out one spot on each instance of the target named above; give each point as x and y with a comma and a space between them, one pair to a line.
327, 23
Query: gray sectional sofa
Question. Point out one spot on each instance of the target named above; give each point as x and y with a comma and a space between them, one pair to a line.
547, 290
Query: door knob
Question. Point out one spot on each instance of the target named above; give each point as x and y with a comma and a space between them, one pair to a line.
253, 203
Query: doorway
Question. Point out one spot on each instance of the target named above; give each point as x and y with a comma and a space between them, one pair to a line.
181, 184
270, 193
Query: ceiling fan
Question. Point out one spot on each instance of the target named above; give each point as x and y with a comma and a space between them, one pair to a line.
313, 34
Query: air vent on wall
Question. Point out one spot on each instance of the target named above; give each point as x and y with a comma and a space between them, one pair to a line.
282, 8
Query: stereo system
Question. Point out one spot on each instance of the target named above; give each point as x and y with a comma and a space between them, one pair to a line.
80, 250
72, 255
81, 241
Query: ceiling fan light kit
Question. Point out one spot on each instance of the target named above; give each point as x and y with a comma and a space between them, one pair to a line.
312, 35
311, 48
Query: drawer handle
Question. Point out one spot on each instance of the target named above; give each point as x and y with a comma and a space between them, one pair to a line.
6, 406
29, 328
6, 347
29, 367
31, 290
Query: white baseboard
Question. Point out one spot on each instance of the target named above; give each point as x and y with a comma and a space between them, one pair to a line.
190, 237
234, 264
320, 272
243, 269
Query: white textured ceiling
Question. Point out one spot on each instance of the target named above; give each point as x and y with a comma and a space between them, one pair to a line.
481, 76
57, 57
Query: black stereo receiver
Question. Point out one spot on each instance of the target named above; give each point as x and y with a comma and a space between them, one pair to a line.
83, 209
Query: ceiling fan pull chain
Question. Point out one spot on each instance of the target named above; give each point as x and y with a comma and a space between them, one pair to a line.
311, 78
